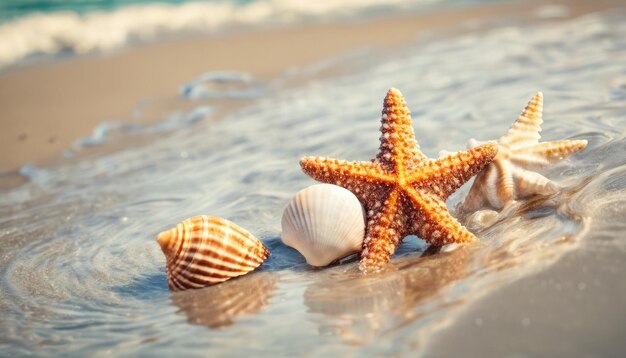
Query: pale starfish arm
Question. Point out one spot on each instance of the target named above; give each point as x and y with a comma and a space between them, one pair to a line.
434, 223
539, 155
529, 183
495, 185
526, 128
503, 192
476, 198
398, 146
445, 175
333, 171
383, 234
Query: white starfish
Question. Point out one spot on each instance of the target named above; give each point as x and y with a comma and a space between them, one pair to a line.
509, 176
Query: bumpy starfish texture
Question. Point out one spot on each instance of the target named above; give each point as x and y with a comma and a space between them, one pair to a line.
403, 191
509, 176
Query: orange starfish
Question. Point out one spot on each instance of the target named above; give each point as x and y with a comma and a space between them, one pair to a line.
403, 191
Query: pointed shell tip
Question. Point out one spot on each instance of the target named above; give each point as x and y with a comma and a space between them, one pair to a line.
164, 238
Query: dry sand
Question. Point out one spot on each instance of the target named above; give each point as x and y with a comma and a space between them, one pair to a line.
43, 109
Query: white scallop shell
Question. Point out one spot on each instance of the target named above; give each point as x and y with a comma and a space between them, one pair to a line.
324, 223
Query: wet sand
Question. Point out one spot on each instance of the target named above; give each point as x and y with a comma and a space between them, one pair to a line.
547, 319
45, 108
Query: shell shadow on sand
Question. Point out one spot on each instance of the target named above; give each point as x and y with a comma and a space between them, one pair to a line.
219, 306
360, 308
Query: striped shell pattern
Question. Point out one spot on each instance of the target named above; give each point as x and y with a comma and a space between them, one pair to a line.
205, 250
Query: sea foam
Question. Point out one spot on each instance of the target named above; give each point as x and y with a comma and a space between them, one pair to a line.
52, 33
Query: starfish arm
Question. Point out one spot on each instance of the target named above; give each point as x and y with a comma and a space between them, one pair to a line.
530, 183
475, 198
526, 128
434, 224
503, 192
383, 234
445, 175
333, 171
397, 141
494, 187
539, 155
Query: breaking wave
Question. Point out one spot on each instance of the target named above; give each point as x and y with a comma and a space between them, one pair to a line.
74, 33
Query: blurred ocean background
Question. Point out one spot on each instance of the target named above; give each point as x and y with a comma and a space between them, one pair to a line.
33, 28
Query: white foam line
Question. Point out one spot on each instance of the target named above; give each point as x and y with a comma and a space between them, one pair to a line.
100, 31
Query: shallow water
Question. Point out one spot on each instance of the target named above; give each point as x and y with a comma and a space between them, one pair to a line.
81, 271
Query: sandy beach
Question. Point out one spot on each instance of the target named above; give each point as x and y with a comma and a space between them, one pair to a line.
45, 108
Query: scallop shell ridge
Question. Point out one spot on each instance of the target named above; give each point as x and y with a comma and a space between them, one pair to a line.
324, 223
206, 250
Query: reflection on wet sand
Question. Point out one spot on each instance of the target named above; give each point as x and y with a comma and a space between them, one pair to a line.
220, 305
357, 307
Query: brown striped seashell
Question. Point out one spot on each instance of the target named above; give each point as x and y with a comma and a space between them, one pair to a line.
205, 250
